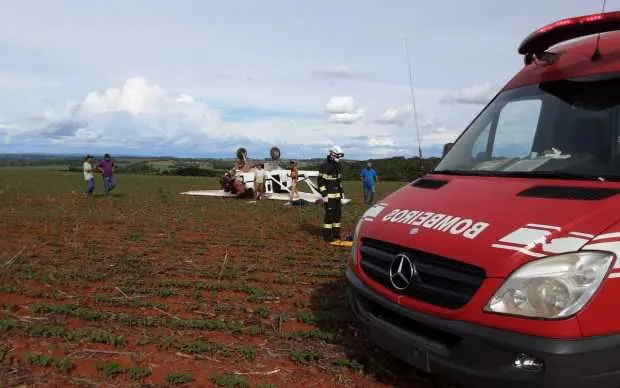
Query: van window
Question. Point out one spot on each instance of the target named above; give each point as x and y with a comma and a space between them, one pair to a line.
480, 147
566, 128
516, 128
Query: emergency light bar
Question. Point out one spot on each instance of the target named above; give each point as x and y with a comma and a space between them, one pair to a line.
566, 29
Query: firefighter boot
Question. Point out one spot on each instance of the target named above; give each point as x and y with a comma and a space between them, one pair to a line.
327, 234
336, 233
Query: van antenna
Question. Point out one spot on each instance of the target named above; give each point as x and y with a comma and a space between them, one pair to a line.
597, 52
415, 114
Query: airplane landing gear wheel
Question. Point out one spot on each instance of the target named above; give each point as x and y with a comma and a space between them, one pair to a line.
242, 153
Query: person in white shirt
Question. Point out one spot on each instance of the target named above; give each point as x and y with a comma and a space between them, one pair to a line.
89, 177
259, 182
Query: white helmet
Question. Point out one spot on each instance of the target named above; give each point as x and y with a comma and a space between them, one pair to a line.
335, 152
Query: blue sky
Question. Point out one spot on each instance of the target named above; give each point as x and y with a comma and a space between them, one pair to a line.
201, 78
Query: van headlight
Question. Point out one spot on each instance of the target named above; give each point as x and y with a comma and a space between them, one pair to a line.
554, 287
355, 243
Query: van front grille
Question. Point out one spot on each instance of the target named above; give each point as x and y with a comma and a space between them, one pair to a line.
437, 280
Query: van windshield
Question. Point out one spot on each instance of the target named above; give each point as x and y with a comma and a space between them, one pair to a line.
567, 128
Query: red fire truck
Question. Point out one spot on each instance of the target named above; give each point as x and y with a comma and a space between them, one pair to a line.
501, 267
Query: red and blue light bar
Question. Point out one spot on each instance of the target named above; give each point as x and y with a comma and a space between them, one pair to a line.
566, 29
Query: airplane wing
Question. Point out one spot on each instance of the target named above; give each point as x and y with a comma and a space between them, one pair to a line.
276, 196
210, 193
310, 197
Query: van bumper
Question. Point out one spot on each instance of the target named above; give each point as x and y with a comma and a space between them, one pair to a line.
480, 356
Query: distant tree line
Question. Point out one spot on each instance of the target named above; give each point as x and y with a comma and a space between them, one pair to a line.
145, 168
24, 161
193, 171
389, 169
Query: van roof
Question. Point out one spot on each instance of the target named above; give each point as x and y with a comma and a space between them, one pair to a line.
574, 60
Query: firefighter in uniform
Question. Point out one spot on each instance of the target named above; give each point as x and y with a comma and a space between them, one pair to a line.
330, 187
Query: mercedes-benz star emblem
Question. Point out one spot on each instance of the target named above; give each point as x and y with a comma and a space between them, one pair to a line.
402, 271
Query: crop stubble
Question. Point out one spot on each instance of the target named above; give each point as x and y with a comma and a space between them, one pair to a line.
149, 287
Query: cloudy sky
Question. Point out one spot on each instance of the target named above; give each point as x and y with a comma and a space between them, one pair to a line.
202, 77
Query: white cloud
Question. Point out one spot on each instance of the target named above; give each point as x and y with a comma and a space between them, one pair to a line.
137, 113
344, 110
239, 59
5, 137
397, 115
136, 96
29, 127
426, 123
380, 152
86, 134
476, 94
185, 98
21, 81
151, 103
347, 118
440, 136
341, 104
381, 142
339, 71
146, 117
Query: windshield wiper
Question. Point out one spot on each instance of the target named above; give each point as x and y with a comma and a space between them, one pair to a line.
461, 172
550, 175
529, 174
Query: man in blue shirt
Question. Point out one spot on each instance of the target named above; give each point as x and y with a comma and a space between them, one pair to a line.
369, 179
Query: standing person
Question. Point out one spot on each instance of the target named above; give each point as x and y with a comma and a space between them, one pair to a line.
294, 176
89, 177
106, 166
369, 181
330, 186
259, 182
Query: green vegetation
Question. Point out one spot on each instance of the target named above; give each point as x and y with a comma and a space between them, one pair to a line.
64, 365
389, 169
151, 288
304, 357
353, 364
137, 373
38, 359
398, 169
228, 381
178, 378
109, 369
4, 350
113, 369
56, 331
202, 347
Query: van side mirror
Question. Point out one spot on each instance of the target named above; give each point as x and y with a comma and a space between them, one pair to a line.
446, 148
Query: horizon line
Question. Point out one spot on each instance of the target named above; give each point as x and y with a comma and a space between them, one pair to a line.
154, 156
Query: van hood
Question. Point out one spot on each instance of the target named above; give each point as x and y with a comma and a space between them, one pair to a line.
496, 223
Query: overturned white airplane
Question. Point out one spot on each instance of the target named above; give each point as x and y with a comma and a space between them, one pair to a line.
239, 182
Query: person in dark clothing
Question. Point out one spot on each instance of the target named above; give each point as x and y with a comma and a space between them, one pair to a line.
330, 187
106, 166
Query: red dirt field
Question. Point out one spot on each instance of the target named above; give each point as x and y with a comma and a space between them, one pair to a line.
149, 288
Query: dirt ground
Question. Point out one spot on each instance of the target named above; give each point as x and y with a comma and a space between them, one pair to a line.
151, 288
